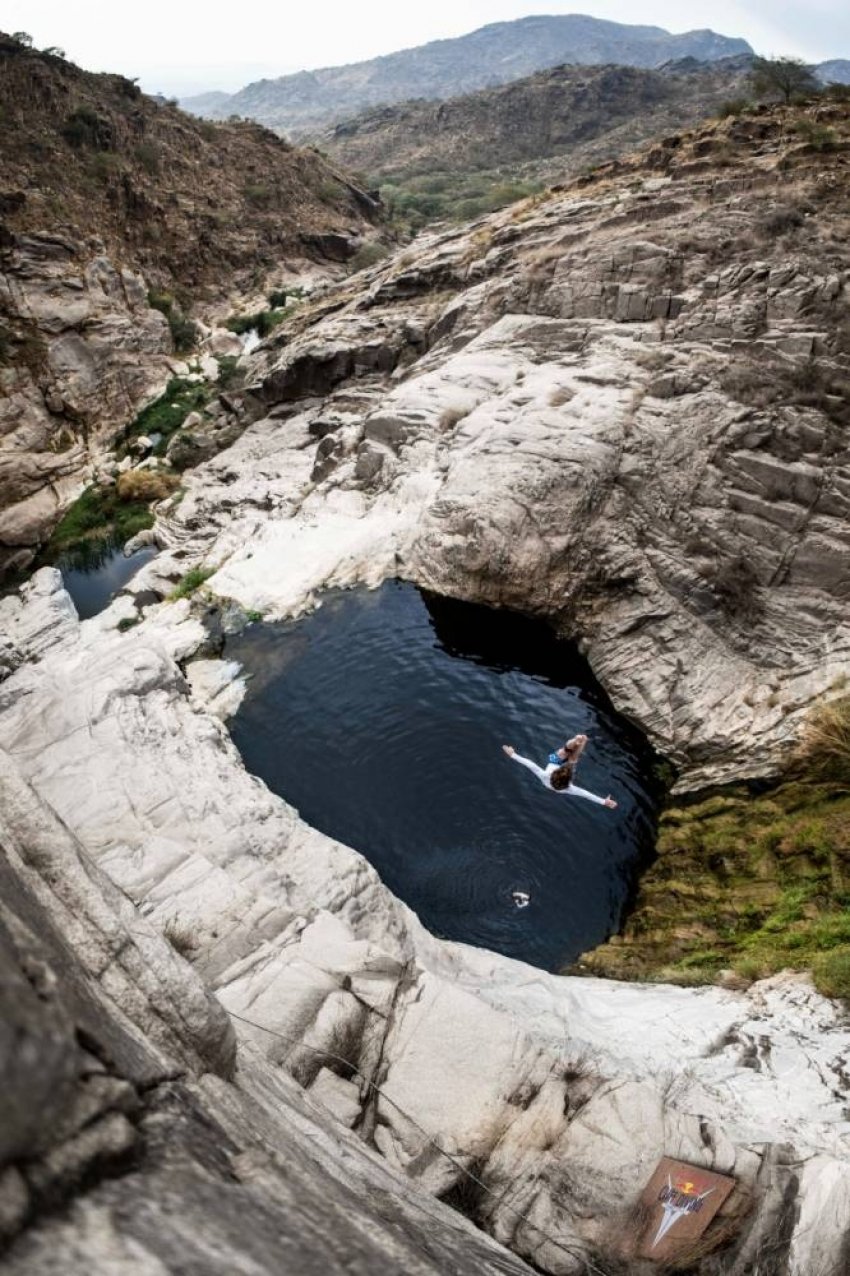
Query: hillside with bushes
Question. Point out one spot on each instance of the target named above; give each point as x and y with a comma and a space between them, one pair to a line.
472, 154
192, 203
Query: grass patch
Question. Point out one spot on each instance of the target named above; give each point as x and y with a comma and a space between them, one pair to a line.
97, 523
230, 374
832, 972
166, 415
824, 751
184, 333
181, 937
146, 485
413, 200
263, 322
752, 882
191, 582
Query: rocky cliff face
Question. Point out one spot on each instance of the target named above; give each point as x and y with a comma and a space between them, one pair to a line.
493, 54
88, 351
105, 197
617, 407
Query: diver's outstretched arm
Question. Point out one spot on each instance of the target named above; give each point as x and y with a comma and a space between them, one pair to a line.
526, 762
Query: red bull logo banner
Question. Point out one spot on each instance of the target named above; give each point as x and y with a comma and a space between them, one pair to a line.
679, 1202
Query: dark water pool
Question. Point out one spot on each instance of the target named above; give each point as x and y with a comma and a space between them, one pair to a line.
381, 718
93, 588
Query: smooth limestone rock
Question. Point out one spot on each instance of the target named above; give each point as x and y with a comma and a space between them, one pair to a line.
559, 1094
127, 1128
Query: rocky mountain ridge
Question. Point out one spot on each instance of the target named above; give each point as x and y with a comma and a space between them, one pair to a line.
837, 71
555, 122
501, 51
108, 198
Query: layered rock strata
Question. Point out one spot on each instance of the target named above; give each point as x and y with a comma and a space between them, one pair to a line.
93, 351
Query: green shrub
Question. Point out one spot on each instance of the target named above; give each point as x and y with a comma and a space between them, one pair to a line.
818, 136
103, 165
229, 371
262, 322
733, 106
167, 413
368, 255
191, 582
258, 195
329, 191
278, 298
126, 88
147, 155
127, 622
781, 221
414, 199
184, 333
84, 128
837, 92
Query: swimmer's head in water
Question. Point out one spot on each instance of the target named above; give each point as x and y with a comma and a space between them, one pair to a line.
561, 777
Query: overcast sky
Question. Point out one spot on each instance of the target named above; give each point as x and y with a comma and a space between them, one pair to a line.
184, 46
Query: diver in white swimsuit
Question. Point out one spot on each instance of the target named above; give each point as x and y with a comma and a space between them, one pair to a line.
559, 777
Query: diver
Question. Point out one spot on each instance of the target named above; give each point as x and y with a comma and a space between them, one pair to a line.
558, 774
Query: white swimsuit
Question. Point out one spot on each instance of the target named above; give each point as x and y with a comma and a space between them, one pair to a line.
572, 790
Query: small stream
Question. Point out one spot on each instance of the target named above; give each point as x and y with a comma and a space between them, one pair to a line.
381, 718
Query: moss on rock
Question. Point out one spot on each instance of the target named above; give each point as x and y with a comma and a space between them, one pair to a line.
750, 882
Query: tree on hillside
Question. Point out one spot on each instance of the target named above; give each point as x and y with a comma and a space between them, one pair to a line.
23, 37
787, 76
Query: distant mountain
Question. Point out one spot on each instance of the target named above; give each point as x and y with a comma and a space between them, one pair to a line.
210, 104
492, 55
835, 72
